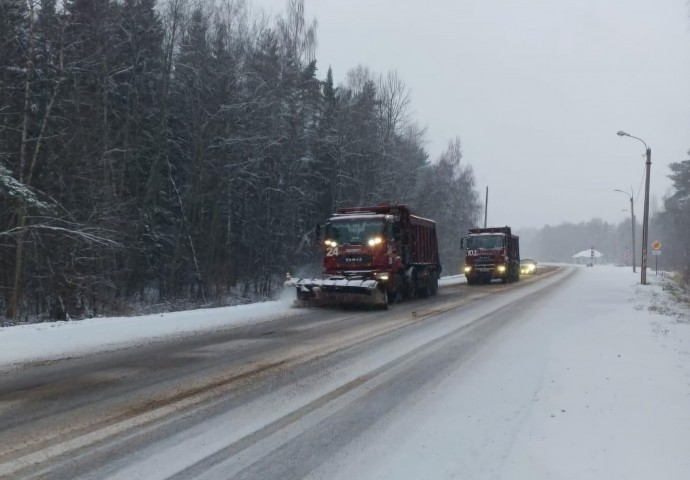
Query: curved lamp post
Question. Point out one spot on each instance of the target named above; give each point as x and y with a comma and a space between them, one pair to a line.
632, 222
645, 220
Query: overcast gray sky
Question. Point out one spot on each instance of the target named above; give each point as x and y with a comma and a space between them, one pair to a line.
536, 90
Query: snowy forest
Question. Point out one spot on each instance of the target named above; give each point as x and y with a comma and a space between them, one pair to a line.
674, 222
172, 153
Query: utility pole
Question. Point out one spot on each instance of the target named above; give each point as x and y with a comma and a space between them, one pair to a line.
645, 221
486, 206
632, 220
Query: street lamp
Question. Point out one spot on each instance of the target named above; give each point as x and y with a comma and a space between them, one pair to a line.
645, 220
632, 221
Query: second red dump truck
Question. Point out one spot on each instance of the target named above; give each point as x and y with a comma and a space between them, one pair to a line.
491, 253
373, 256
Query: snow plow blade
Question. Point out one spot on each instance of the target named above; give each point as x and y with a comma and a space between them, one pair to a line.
338, 291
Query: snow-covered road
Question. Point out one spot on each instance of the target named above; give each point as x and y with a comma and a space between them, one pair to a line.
593, 382
581, 373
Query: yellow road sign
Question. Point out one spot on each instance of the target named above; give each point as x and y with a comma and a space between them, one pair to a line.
656, 245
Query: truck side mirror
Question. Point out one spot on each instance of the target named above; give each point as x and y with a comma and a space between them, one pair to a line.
317, 233
462, 243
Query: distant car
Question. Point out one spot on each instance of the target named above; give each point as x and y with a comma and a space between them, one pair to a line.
528, 267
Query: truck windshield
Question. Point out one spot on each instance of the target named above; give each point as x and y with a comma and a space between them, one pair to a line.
475, 242
355, 231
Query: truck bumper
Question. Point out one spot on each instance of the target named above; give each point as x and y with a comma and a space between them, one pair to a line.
485, 274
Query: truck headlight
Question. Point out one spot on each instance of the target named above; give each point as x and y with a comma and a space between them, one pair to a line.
375, 241
382, 276
501, 268
468, 269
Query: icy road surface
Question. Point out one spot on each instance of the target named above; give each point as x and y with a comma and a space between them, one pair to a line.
55, 340
576, 373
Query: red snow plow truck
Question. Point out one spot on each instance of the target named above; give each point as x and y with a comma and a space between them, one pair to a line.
373, 256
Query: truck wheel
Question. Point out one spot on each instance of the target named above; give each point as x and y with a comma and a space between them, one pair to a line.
410, 290
386, 302
424, 290
394, 297
427, 290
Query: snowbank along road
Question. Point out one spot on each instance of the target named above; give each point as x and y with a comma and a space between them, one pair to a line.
291, 397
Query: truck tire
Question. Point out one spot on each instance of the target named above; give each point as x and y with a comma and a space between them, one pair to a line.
397, 295
426, 289
384, 305
410, 287
394, 297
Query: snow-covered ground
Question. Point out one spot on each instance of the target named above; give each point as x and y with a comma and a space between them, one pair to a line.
451, 280
591, 383
54, 340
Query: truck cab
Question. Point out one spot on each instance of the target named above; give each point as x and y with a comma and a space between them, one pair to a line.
490, 254
361, 244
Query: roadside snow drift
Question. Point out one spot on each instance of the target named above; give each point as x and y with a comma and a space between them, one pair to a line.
54, 340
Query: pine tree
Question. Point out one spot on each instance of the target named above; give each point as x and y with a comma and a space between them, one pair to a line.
675, 219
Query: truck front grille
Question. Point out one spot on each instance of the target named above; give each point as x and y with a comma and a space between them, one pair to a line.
353, 259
